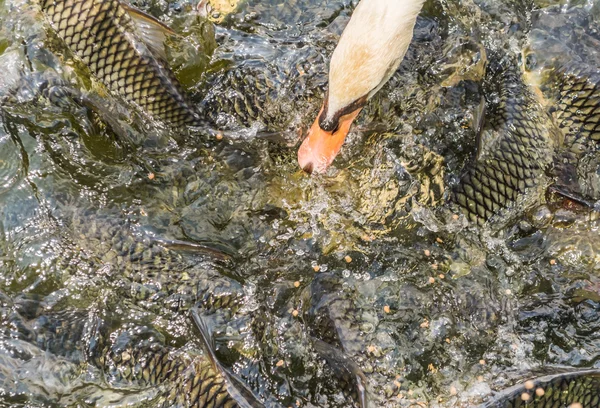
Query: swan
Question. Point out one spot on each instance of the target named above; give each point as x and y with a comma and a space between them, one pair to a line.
368, 53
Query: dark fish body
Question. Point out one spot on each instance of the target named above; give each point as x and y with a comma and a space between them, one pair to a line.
561, 63
578, 389
515, 145
183, 381
106, 35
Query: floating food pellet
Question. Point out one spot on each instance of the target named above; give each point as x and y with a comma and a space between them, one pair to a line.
386, 309
297, 284
442, 276
294, 313
552, 261
427, 252
482, 362
438, 239
434, 266
576, 405
525, 396
508, 291
425, 324
453, 390
151, 176
431, 280
316, 268
447, 340
529, 385
480, 378
455, 217
540, 392
400, 396
348, 259
219, 136
371, 348
279, 363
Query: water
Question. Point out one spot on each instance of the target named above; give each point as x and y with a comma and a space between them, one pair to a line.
104, 219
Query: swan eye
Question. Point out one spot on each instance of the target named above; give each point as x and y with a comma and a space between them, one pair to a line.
530, 62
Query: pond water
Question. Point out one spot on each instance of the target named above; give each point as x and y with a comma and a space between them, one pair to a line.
113, 227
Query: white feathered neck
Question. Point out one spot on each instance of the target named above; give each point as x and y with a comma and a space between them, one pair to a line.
370, 49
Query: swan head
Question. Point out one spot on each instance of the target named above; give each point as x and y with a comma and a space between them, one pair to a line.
369, 51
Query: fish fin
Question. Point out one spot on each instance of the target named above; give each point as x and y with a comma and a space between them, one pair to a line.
342, 364
179, 245
152, 32
236, 388
478, 125
568, 182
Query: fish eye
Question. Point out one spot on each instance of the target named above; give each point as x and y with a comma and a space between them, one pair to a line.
530, 62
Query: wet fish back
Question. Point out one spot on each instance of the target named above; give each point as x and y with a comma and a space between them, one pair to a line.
580, 389
517, 156
103, 34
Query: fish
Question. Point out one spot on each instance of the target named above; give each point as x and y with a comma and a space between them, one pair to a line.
234, 389
560, 63
515, 144
124, 48
152, 270
579, 389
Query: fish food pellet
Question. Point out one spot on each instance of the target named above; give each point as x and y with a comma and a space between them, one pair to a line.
219, 136
279, 363
552, 261
427, 252
151, 176
540, 392
296, 284
431, 280
525, 396
295, 313
453, 390
482, 362
529, 385
316, 268
348, 259
386, 309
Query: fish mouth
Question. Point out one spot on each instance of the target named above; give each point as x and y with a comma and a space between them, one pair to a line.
320, 147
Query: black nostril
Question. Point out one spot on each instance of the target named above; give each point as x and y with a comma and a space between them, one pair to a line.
308, 168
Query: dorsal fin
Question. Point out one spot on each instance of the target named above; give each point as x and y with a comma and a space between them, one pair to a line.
237, 389
478, 124
152, 32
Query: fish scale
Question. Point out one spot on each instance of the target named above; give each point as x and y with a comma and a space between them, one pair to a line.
103, 34
577, 110
562, 390
187, 382
519, 153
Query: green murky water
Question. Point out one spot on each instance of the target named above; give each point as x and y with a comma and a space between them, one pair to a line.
104, 219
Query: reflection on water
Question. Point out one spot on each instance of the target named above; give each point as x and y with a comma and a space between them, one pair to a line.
105, 221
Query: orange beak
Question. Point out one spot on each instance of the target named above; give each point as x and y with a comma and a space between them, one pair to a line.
320, 147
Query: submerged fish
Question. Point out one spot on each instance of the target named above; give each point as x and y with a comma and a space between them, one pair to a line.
124, 48
561, 63
514, 149
234, 392
573, 390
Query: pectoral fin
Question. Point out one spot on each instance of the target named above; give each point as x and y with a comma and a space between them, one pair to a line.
152, 32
